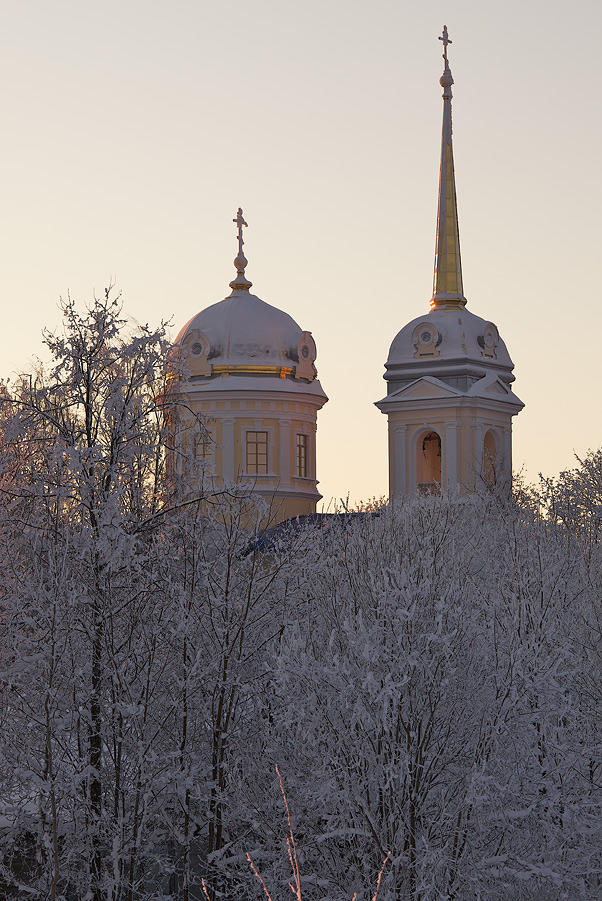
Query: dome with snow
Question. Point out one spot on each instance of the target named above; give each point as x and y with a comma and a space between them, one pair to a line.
244, 330
242, 336
452, 344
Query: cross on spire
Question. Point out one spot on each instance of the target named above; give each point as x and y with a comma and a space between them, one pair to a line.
446, 40
448, 291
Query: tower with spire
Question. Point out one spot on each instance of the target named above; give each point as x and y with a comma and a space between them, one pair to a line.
449, 399
248, 400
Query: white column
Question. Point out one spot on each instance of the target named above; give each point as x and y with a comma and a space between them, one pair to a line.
450, 457
398, 480
478, 439
284, 469
228, 473
507, 454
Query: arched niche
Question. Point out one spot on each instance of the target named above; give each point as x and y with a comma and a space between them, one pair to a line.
490, 452
428, 463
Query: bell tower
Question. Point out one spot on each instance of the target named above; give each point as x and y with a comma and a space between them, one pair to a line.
449, 399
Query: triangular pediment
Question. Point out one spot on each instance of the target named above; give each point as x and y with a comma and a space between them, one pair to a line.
492, 386
497, 388
426, 387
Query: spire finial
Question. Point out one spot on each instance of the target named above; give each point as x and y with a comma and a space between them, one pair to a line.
446, 80
446, 40
448, 288
241, 282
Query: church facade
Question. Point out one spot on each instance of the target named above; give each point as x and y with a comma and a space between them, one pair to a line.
250, 396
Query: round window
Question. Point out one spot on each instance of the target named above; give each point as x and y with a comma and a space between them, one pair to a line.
197, 349
426, 337
305, 351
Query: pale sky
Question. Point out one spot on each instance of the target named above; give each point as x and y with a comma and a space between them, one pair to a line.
133, 130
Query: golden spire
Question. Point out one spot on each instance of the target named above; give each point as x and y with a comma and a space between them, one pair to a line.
447, 288
241, 282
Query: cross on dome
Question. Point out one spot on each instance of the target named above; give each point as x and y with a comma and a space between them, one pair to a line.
240, 222
241, 281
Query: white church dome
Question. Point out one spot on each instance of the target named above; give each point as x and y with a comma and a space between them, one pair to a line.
244, 337
444, 338
243, 329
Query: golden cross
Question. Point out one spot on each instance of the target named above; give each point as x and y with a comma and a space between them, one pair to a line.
446, 41
240, 222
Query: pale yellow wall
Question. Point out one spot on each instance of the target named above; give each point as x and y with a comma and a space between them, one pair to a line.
288, 507
288, 494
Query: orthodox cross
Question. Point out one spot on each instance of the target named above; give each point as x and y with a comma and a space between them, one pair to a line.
240, 222
446, 41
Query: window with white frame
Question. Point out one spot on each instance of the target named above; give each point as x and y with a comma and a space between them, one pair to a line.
256, 453
301, 456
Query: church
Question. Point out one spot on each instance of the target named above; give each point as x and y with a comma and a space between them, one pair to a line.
249, 377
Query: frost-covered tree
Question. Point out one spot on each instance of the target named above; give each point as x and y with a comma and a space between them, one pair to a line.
427, 704
427, 676
575, 497
232, 604
135, 622
83, 481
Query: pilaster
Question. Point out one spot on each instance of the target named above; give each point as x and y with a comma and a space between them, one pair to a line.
228, 473
450, 456
284, 428
398, 461
478, 438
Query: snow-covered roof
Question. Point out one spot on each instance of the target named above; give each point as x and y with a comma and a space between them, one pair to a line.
448, 340
243, 329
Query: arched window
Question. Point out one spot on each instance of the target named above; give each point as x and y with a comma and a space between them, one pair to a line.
428, 464
490, 459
